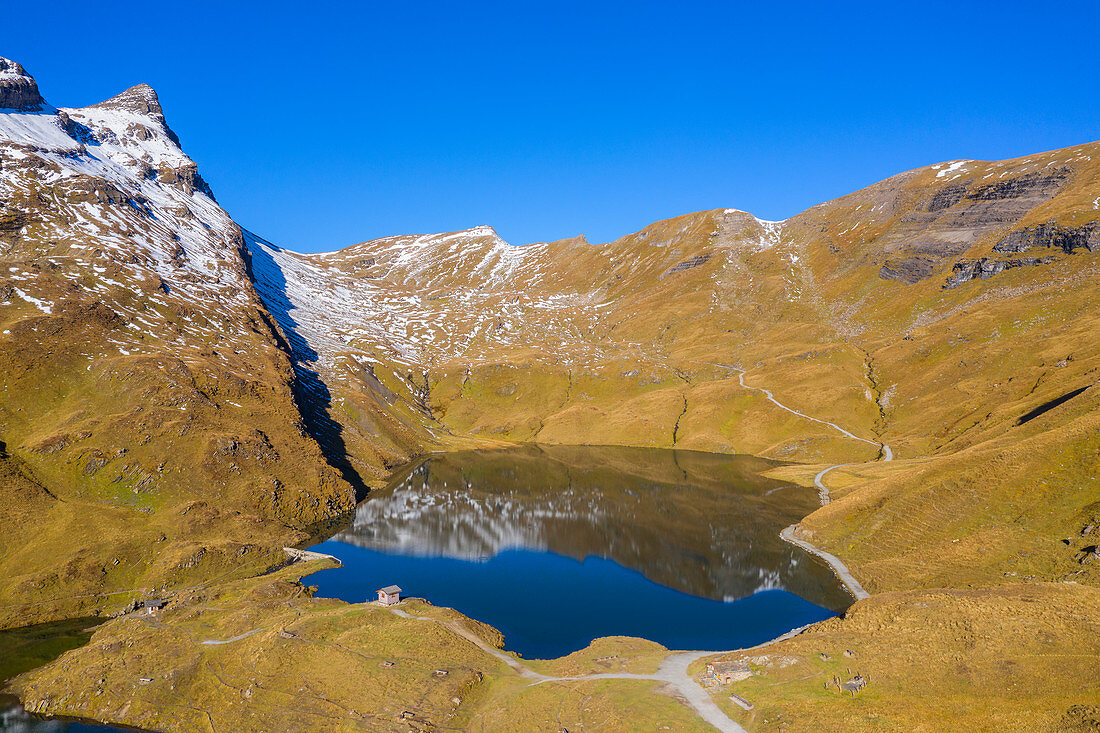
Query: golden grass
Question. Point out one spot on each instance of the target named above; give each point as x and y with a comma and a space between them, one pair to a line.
1013, 658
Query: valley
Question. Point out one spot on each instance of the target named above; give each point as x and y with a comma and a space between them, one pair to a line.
182, 399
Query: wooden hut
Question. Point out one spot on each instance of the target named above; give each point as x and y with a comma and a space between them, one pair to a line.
389, 595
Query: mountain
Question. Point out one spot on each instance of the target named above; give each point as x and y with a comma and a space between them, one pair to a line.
180, 398
147, 398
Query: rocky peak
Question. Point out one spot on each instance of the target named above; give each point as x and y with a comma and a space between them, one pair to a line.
140, 99
130, 129
18, 89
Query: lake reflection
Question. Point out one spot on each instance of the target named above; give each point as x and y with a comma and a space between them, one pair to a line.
676, 546
704, 524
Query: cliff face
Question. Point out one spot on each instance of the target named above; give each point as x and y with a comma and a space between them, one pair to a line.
18, 89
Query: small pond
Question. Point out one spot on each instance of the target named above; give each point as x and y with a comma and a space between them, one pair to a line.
556, 546
25, 648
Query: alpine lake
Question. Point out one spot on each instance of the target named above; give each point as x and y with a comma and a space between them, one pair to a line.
558, 545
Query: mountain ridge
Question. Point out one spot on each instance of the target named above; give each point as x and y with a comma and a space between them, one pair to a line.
181, 399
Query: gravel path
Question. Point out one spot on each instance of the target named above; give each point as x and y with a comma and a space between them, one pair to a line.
838, 567
238, 637
673, 670
788, 534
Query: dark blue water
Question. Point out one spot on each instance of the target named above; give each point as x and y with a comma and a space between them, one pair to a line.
556, 546
548, 605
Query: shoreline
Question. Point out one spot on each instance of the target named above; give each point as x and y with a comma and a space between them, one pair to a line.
838, 567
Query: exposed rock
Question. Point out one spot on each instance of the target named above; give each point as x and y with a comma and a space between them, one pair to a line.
186, 177
1025, 186
687, 264
986, 268
1052, 235
958, 215
140, 98
908, 270
18, 89
947, 197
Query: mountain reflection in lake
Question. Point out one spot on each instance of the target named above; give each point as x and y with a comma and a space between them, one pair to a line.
464, 528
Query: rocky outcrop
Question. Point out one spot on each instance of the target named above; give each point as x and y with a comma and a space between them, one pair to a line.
130, 129
1052, 236
18, 90
958, 215
687, 264
908, 270
1044, 184
946, 197
986, 268
140, 99
185, 177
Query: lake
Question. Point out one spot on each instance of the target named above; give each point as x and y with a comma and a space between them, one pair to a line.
558, 545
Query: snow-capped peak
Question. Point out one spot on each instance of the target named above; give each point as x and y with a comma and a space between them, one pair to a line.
130, 130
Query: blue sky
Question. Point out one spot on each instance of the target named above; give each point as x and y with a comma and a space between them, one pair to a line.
323, 125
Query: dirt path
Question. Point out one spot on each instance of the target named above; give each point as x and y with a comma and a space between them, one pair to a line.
238, 637
788, 535
885, 449
672, 672
511, 661
834, 562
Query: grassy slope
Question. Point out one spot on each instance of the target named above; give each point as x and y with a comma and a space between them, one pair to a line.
1011, 658
128, 475
301, 663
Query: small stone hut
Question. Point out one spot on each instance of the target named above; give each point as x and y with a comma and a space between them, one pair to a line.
389, 595
726, 672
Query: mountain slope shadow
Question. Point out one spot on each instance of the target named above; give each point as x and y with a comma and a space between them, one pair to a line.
313, 397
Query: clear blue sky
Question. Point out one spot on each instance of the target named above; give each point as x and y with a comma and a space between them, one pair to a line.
324, 124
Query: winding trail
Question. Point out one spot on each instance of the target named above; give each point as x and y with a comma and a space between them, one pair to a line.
673, 669
823, 491
777, 403
238, 637
838, 567
788, 534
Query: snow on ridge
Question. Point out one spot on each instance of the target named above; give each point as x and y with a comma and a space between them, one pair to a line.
756, 218
422, 300
421, 241
126, 136
770, 231
149, 238
951, 167
37, 130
